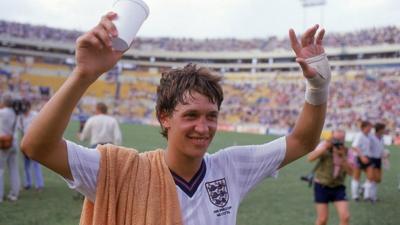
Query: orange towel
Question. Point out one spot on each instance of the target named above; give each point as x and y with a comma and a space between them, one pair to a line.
132, 189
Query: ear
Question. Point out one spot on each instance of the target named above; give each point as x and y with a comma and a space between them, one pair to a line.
165, 120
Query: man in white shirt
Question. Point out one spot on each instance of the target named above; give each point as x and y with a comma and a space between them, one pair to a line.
101, 128
209, 187
361, 148
8, 157
377, 148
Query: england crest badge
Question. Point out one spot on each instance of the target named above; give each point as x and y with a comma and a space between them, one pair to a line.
218, 192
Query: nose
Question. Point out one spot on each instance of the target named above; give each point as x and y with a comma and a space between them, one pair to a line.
202, 126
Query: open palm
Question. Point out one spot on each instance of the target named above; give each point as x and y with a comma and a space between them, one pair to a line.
92, 61
94, 54
310, 46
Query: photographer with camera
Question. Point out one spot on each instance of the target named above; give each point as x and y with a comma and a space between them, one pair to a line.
329, 178
8, 148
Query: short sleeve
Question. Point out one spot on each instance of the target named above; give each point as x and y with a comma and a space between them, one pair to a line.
84, 164
356, 141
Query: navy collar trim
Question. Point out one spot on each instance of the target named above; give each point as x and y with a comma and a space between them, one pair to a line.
190, 187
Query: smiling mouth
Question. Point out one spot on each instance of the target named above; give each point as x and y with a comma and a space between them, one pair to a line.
200, 140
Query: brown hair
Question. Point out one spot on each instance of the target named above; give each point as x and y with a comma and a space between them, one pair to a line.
365, 124
379, 127
101, 107
174, 84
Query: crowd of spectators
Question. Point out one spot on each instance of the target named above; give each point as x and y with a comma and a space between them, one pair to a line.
354, 96
365, 37
276, 103
270, 101
43, 33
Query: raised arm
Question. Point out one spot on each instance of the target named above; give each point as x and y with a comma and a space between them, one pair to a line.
318, 151
312, 59
43, 141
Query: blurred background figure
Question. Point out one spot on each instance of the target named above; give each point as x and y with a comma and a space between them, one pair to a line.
377, 152
8, 149
101, 128
30, 166
330, 174
361, 147
82, 118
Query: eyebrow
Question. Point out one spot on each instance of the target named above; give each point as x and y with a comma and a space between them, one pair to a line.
214, 112
197, 111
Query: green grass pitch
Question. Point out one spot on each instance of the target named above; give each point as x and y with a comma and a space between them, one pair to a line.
285, 200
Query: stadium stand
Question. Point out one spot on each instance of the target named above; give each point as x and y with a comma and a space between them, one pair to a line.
366, 37
366, 75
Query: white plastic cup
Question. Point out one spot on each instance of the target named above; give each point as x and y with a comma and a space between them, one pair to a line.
130, 16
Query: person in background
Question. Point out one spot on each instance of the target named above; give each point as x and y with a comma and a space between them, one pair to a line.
377, 151
329, 179
24, 121
8, 154
361, 148
101, 128
82, 118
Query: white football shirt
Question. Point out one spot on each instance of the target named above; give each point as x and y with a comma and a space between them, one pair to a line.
376, 146
362, 142
214, 193
7, 121
102, 129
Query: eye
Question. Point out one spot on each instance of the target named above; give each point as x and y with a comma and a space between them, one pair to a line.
190, 115
212, 116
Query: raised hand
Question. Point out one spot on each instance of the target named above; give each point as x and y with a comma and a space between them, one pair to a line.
94, 54
310, 46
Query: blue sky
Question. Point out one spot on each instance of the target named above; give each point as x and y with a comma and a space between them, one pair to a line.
212, 18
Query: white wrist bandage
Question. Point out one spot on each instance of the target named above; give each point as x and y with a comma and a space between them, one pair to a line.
317, 88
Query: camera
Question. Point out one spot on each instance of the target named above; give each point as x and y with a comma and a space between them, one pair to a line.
309, 178
20, 106
337, 143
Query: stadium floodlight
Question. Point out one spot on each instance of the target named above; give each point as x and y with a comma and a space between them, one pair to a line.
310, 3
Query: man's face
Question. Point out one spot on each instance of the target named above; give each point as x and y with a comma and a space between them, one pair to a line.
192, 126
339, 137
367, 129
381, 132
